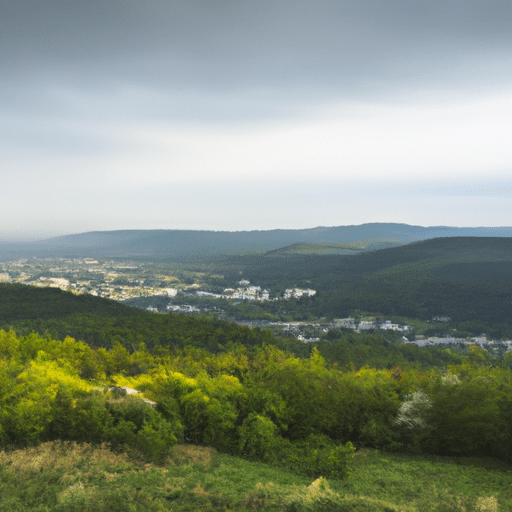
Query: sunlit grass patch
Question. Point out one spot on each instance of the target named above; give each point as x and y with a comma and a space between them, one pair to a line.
74, 494
69, 477
320, 497
487, 504
60, 454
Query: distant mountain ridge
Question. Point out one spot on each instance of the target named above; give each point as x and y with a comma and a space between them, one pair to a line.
190, 244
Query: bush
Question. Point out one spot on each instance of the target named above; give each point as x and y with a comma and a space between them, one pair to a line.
257, 437
317, 456
155, 445
334, 462
82, 419
139, 427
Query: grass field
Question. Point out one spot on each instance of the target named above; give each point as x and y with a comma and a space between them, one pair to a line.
61, 476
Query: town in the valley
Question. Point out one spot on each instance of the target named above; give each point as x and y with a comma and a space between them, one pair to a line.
164, 290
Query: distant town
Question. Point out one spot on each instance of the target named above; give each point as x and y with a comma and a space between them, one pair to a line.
123, 280
111, 279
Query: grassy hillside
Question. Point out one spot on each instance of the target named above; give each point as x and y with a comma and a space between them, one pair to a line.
68, 477
334, 248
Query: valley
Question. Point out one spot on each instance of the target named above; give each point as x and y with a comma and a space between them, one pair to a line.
443, 288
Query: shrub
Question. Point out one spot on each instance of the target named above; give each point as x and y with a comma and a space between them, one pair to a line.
139, 427
316, 456
257, 437
412, 419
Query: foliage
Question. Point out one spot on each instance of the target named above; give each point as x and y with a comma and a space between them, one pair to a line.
316, 456
225, 386
258, 437
140, 428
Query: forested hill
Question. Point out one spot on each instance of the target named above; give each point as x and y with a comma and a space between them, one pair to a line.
102, 322
22, 302
449, 255
183, 244
442, 254
466, 278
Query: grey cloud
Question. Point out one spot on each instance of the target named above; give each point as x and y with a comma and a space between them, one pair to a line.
74, 73
47, 141
229, 61
231, 44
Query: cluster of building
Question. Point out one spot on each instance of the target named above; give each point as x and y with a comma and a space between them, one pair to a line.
124, 280
297, 293
245, 291
110, 279
308, 332
481, 341
367, 324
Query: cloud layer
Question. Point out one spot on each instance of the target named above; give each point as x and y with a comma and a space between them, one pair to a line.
244, 115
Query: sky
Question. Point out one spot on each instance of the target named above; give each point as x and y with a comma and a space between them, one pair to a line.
237, 115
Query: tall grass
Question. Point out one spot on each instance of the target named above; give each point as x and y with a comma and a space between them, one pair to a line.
67, 476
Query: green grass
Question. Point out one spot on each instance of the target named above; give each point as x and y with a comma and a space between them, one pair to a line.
322, 248
308, 249
70, 477
431, 483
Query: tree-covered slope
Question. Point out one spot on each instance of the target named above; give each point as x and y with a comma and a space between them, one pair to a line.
260, 403
102, 322
466, 278
18, 301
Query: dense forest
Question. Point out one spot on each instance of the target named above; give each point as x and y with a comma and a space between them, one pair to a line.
102, 322
256, 402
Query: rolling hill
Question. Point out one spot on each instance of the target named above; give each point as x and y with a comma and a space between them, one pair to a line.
465, 278
104, 322
200, 245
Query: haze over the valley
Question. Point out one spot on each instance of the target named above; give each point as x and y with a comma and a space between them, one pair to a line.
253, 115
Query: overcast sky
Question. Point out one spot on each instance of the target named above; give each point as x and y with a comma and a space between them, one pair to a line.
241, 115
